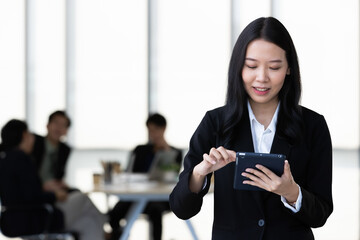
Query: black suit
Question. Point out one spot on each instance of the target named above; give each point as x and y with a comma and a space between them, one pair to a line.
260, 214
21, 190
58, 168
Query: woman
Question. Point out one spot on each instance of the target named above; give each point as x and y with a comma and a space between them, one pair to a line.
261, 114
21, 188
20, 185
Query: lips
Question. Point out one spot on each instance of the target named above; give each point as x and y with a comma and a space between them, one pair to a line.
260, 90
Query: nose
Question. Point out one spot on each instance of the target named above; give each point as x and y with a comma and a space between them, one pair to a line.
262, 74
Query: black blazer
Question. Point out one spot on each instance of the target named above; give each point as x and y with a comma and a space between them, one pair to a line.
63, 155
259, 214
143, 155
21, 193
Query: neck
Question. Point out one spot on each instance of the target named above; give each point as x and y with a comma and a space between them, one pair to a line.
161, 145
264, 112
52, 141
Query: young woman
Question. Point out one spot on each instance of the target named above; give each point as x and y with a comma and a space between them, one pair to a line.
261, 114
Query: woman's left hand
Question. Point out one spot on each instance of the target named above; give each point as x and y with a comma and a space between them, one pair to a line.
264, 178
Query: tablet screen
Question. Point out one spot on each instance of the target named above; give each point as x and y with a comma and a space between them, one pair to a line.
275, 162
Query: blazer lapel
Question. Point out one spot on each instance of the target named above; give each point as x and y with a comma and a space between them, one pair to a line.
280, 146
244, 142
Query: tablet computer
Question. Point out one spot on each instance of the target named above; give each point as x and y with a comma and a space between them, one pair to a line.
274, 162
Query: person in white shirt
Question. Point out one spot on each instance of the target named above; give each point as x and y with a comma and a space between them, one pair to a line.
262, 114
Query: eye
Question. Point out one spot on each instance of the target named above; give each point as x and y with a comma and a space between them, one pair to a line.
251, 66
275, 68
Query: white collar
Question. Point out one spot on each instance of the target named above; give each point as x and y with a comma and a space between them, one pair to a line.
272, 125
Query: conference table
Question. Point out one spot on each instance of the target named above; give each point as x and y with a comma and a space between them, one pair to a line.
138, 189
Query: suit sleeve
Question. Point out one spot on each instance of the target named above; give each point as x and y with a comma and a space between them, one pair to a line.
184, 203
317, 204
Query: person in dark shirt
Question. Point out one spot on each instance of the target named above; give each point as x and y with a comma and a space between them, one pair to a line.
20, 186
140, 162
51, 153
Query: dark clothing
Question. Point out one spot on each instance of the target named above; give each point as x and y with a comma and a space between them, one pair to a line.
142, 156
260, 214
58, 167
21, 193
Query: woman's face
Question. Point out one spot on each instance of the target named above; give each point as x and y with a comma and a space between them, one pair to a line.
264, 71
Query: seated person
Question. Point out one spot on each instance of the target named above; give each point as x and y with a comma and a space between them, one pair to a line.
140, 162
20, 186
51, 154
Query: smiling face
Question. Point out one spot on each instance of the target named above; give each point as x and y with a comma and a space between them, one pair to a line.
264, 72
57, 128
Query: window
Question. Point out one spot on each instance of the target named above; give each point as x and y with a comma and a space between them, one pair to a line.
110, 88
193, 52
12, 68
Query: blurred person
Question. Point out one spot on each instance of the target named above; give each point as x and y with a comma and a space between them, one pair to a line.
51, 154
141, 160
262, 114
19, 179
21, 187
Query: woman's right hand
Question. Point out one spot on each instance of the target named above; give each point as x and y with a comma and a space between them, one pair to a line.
216, 159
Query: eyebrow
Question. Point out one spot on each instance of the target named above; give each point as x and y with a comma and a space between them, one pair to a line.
272, 61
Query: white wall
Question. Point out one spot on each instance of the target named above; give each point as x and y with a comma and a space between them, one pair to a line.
326, 34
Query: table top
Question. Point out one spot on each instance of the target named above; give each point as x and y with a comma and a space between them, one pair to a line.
133, 185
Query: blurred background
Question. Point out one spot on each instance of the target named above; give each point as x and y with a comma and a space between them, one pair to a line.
109, 63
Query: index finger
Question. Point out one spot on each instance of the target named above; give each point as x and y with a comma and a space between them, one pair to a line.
227, 155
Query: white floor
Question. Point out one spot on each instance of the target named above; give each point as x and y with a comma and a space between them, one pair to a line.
343, 224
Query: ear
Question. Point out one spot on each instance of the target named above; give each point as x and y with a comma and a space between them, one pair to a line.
288, 71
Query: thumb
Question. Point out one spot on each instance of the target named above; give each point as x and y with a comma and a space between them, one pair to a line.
287, 171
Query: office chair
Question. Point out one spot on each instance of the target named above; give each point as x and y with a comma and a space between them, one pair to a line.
10, 216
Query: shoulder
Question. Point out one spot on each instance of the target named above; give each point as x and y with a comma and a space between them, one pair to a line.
39, 140
143, 148
176, 149
315, 124
217, 115
311, 117
217, 112
14, 156
65, 146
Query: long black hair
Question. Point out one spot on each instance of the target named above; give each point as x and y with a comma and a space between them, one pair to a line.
289, 123
12, 134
